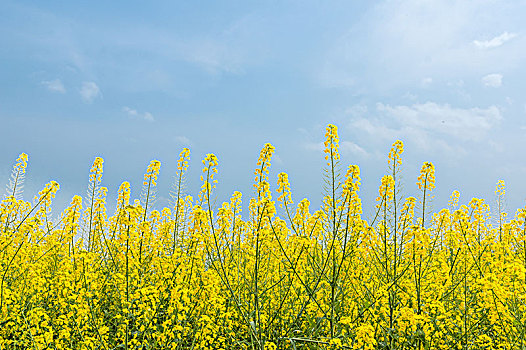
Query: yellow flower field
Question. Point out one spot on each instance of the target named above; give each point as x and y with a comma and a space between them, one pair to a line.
284, 275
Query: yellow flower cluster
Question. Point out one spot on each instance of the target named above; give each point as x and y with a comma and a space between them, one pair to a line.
284, 189
395, 154
500, 189
426, 180
21, 163
182, 162
331, 143
386, 190
209, 170
150, 178
263, 163
195, 276
96, 170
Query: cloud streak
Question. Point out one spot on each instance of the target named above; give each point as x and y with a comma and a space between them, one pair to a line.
492, 80
133, 113
353, 148
430, 126
462, 123
399, 43
346, 147
89, 91
183, 140
494, 42
54, 85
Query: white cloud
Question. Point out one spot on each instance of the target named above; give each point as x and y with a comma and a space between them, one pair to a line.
148, 116
89, 91
374, 127
131, 112
54, 85
426, 82
398, 42
136, 115
462, 123
314, 146
346, 147
351, 147
492, 80
212, 56
430, 126
495, 42
230, 49
356, 110
457, 83
183, 140
410, 96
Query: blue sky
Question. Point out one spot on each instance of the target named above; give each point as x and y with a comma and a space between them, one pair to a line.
131, 82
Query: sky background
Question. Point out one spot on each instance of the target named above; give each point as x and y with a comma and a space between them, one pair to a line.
132, 81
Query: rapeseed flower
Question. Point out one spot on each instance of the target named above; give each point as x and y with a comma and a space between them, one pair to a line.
196, 275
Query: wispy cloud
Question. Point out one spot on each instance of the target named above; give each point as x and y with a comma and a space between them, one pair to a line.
214, 57
462, 123
133, 113
346, 147
313, 146
353, 148
492, 80
183, 140
411, 36
54, 85
429, 125
495, 42
148, 116
89, 91
426, 82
